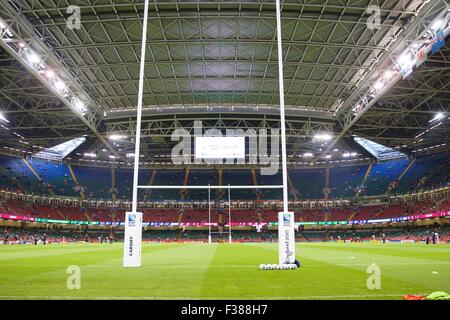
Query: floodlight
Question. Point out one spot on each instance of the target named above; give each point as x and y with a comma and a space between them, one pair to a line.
323, 136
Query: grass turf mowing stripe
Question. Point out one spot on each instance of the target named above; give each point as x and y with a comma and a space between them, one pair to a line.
336, 297
218, 271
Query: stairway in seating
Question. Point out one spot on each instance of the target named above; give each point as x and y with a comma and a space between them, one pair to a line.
182, 195
363, 182
185, 182
220, 179
13, 182
327, 183
352, 215
291, 187
325, 236
389, 189
255, 183
61, 214
35, 174
379, 212
441, 203
304, 236
113, 184
434, 170
74, 177
87, 216
150, 182
180, 230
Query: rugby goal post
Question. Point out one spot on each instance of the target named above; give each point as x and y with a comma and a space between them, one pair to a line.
133, 230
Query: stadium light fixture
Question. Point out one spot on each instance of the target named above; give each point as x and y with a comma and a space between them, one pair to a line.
378, 85
116, 137
33, 58
90, 155
308, 155
328, 156
388, 75
405, 59
438, 24
59, 85
5, 32
2, 118
130, 155
50, 74
438, 116
323, 137
111, 157
79, 106
346, 155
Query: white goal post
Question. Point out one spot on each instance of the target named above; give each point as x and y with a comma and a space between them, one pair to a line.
286, 251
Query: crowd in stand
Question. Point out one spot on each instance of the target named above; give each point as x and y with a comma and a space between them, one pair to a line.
40, 236
20, 236
429, 235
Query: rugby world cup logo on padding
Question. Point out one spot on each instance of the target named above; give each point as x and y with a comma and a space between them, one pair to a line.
286, 220
131, 220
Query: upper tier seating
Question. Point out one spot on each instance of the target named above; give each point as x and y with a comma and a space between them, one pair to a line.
344, 181
239, 177
201, 178
167, 177
310, 183
96, 182
271, 179
425, 171
382, 175
15, 175
306, 183
124, 182
56, 175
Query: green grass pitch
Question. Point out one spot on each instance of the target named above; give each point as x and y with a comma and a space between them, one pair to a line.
223, 271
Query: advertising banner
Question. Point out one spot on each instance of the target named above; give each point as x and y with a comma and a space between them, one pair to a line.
133, 239
286, 238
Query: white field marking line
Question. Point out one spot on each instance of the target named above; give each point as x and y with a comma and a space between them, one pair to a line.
208, 298
220, 267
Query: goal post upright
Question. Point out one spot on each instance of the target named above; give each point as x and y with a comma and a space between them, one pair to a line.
209, 215
286, 235
282, 114
229, 214
133, 220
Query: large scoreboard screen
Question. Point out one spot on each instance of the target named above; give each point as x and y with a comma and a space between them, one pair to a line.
219, 147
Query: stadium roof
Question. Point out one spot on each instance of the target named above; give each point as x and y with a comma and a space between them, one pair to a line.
379, 151
216, 61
